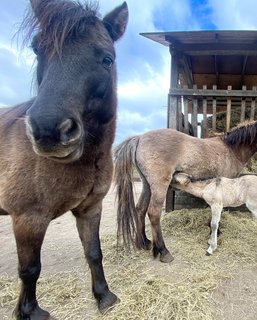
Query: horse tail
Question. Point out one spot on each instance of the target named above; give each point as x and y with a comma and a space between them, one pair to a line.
124, 163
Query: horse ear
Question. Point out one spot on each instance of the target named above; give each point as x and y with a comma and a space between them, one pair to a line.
116, 21
34, 6
34, 3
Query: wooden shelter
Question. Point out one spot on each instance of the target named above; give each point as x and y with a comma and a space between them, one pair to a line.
212, 72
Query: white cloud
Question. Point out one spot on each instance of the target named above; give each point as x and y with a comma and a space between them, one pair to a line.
143, 65
234, 14
154, 84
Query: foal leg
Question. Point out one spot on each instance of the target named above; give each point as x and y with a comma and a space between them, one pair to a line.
216, 213
251, 205
29, 233
154, 212
142, 242
88, 222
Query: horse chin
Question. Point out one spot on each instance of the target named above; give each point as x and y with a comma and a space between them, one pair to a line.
62, 157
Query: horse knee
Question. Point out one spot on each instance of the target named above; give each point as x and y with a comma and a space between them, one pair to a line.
214, 225
30, 274
94, 257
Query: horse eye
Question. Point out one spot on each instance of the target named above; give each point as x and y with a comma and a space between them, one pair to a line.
107, 61
35, 49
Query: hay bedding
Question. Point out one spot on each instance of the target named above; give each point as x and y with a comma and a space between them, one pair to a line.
147, 288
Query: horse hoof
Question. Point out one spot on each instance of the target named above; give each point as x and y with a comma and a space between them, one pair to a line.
108, 301
166, 258
36, 314
207, 253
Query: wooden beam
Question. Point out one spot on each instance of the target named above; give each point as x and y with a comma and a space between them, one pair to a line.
211, 93
218, 48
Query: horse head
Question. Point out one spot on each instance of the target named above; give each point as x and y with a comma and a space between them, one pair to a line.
76, 76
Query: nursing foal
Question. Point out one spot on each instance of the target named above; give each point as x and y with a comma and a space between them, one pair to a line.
219, 193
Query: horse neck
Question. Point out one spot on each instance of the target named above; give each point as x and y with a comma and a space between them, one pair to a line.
244, 152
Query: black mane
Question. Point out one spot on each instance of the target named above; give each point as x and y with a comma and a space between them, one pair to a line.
52, 23
244, 134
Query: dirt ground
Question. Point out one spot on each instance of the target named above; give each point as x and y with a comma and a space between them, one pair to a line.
62, 251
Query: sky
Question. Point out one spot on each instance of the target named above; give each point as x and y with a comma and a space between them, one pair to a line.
143, 66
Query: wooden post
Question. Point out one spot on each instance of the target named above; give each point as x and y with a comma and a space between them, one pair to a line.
173, 113
252, 107
228, 119
172, 116
180, 120
204, 124
214, 111
173, 101
186, 115
195, 113
242, 115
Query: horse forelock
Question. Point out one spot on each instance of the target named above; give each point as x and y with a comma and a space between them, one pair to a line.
244, 134
55, 22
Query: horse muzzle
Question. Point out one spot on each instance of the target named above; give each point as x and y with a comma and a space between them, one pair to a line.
62, 143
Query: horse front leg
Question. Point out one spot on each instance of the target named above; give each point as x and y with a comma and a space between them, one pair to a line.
29, 231
216, 213
88, 222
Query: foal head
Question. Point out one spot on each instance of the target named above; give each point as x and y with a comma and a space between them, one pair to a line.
76, 75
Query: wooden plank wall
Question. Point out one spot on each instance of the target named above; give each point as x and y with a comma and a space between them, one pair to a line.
209, 102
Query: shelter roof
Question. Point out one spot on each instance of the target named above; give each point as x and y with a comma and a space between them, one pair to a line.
216, 57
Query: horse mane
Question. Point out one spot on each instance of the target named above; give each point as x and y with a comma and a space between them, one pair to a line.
55, 22
245, 133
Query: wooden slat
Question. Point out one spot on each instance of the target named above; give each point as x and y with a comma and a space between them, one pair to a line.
228, 117
204, 125
252, 109
214, 111
173, 113
180, 116
253, 103
194, 116
186, 115
242, 115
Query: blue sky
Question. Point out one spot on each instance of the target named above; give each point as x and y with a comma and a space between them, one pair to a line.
143, 65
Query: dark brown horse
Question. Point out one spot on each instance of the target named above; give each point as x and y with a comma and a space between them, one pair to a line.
157, 155
55, 150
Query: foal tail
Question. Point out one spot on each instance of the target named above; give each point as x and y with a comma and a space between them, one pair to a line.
124, 163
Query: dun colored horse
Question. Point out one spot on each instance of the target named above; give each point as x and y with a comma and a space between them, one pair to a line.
55, 149
157, 155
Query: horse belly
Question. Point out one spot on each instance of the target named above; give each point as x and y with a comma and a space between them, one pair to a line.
233, 197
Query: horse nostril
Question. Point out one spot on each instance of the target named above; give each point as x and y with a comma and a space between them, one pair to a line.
70, 131
32, 129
